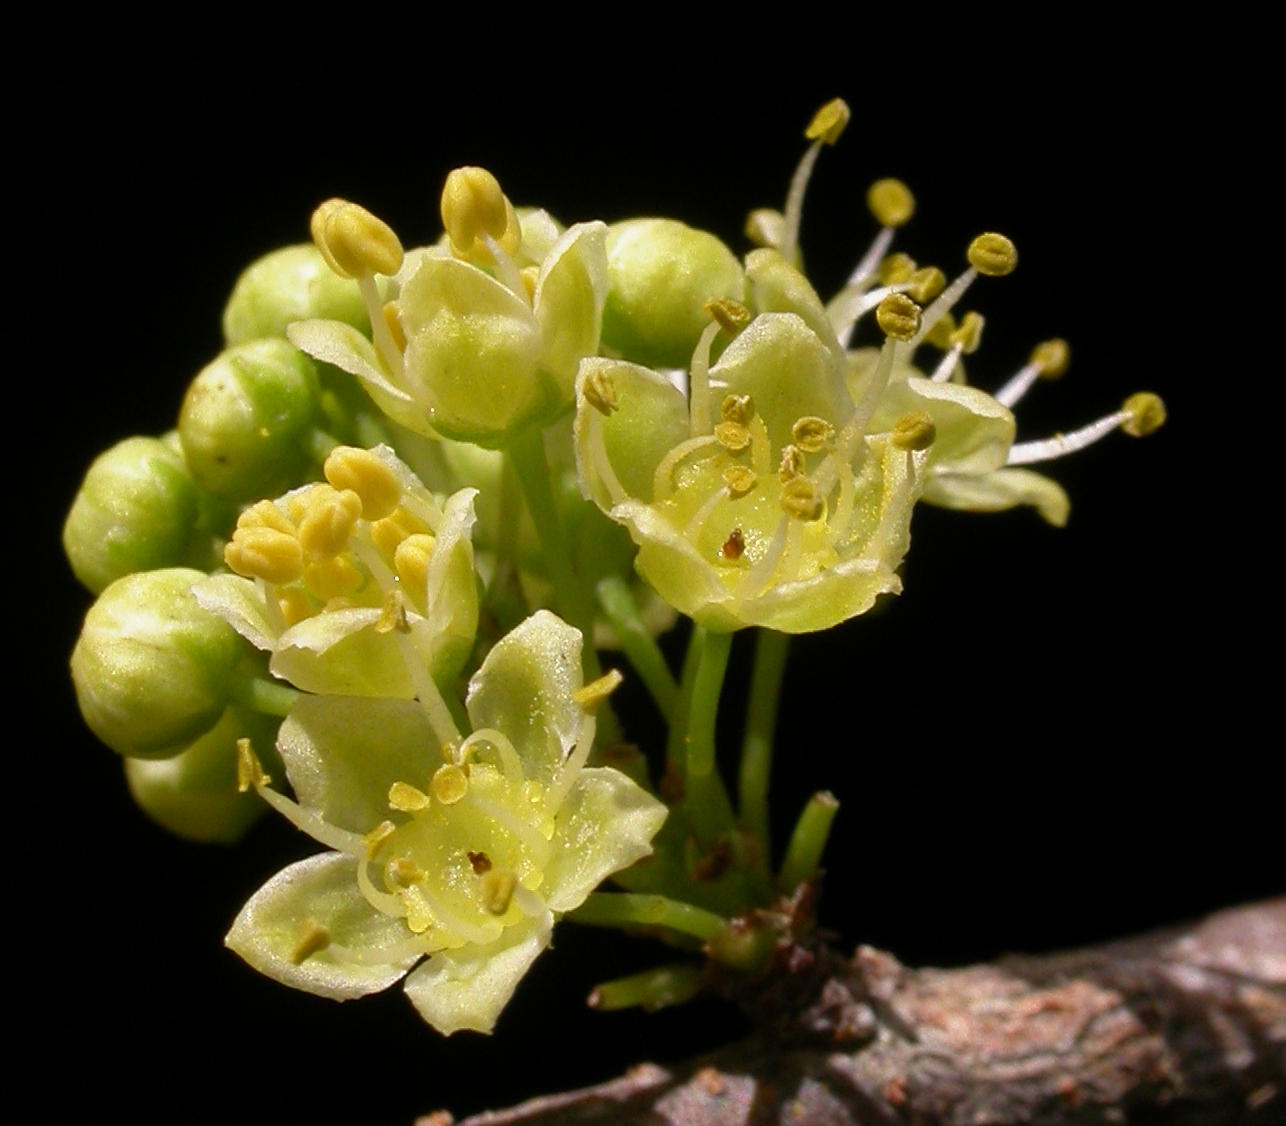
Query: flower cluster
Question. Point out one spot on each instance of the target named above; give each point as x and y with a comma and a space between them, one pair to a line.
345, 564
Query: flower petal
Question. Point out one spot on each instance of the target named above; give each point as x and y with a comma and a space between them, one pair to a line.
468, 988
569, 298
238, 602
343, 753
320, 892
995, 492
524, 689
605, 824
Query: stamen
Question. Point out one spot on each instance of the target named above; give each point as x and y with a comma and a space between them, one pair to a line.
366, 474
663, 478
377, 838
405, 798
898, 317
313, 939
510, 763
737, 408
732, 436
825, 129
800, 498
812, 434
264, 553
354, 242
891, 202
403, 872
791, 465
496, 890
1141, 415
913, 431
450, 783
473, 206
732, 316
591, 697
411, 561
249, 768
1147, 414
324, 530
739, 481
393, 617
993, 255
570, 770
599, 390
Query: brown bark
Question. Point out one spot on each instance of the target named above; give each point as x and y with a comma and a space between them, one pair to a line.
1184, 1027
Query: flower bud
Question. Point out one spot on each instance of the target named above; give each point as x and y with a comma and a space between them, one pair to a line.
661, 273
288, 285
245, 419
135, 511
152, 669
194, 795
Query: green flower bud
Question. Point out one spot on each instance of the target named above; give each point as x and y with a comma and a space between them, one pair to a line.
661, 273
194, 795
288, 285
135, 511
245, 420
152, 669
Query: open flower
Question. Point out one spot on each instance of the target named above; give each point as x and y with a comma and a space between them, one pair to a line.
315, 570
465, 853
764, 497
481, 341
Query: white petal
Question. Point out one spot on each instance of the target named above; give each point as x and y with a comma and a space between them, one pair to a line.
320, 891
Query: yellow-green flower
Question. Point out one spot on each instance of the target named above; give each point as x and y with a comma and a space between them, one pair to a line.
462, 855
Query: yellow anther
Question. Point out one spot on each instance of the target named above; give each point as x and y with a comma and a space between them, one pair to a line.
913, 431
313, 939
993, 255
829, 121
450, 783
411, 561
402, 872
732, 315
392, 530
1147, 414
791, 464
530, 277
474, 205
419, 917
365, 473
812, 434
800, 498
898, 316
377, 838
265, 514
732, 436
393, 615
393, 322
405, 798
1051, 357
734, 547
896, 269
599, 389
354, 242
765, 227
294, 604
737, 408
969, 334
926, 283
891, 202
324, 530
264, 553
739, 480
249, 768
590, 698
333, 578
940, 334
496, 889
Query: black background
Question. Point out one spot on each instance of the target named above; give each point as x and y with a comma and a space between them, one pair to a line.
1048, 739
